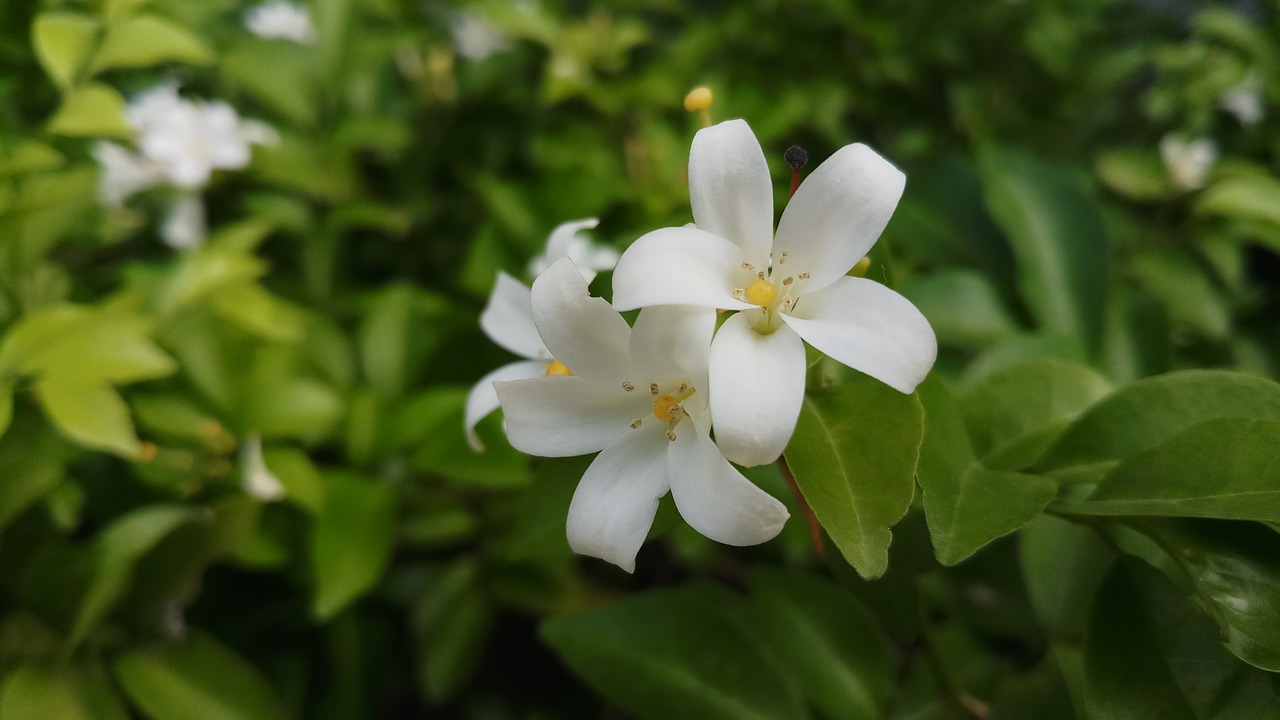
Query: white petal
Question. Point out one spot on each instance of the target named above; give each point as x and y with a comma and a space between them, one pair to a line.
562, 416
483, 399
613, 507
715, 498
258, 480
870, 328
184, 226
508, 319
583, 332
680, 266
730, 189
671, 343
836, 215
560, 240
757, 387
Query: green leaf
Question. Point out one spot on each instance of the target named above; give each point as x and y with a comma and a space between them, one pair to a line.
431, 426
31, 157
451, 620
1062, 566
675, 654
1252, 197
963, 307
1136, 173
251, 308
173, 415
858, 476
115, 552
147, 40
198, 679
390, 342
290, 87
300, 478
827, 642
1149, 654
980, 506
92, 110
1235, 570
89, 412
69, 693
6, 406
1222, 468
1058, 236
351, 541
63, 41
30, 468
1151, 411
98, 345
1011, 404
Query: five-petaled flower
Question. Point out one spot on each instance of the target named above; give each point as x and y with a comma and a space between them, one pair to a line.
508, 318
639, 396
787, 287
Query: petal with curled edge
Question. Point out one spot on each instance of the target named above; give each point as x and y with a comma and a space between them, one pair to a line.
870, 328
483, 399
617, 498
757, 388
730, 189
714, 498
835, 216
583, 332
680, 266
563, 415
508, 319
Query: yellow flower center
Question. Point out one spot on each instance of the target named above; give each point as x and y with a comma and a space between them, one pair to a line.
761, 292
665, 408
555, 367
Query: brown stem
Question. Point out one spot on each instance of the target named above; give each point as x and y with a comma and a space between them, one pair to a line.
815, 530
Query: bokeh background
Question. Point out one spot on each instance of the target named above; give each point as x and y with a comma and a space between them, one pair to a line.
1090, 182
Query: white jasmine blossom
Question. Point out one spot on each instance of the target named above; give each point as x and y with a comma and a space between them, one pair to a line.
281, 20
508, 318
639, 396
184, 225
1188, 161
789, 289
1245, 100
475, 37
258, 480
124, 173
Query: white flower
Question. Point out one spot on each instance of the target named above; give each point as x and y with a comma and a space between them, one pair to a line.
475, 37
637, 395
258, 480
1245, 100
124, 173
184, 226
789, 289
281, 20
1188, 161
508, 319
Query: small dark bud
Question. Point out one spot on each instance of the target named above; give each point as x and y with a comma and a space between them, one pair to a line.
796, 156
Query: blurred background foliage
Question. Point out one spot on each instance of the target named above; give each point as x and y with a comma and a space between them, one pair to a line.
331, 314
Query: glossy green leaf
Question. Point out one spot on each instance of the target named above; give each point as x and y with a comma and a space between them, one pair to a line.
1058, 236
854, 455
1062, 566
197, 679
68, 693
1151, 411
1150, 654
92, 110
1222, 468
146, 40
827, 642
88, 412
115, 552
63, 41
676, 654
351, 541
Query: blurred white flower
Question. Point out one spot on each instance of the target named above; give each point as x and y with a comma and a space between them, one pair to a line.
124, 173
258, 480
639, 397
790, 287
184, 225
281, 20
1188, 161
508, 319
475, 37
1245, 100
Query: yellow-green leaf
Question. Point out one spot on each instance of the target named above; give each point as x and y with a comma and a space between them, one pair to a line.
147, 40
92, 110
63, 41
89, 412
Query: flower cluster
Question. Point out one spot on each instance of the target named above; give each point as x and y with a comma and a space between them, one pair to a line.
179, 144
650, 397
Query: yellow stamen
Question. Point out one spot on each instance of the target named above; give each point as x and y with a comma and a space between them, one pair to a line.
664, 408
555, 367
761, 292
699, 100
